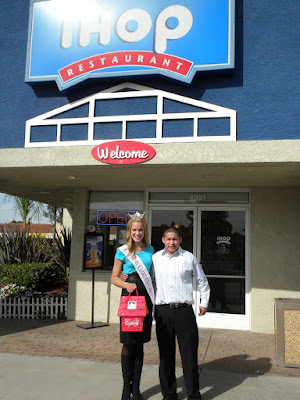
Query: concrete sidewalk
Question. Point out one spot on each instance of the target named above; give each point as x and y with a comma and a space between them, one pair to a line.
24, 377
58, 358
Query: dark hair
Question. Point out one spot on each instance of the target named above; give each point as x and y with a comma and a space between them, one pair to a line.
171, 229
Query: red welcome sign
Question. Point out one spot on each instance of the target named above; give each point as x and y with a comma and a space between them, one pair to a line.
123, 152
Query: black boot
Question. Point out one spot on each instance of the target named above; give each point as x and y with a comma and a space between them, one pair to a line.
127, 371
137, 372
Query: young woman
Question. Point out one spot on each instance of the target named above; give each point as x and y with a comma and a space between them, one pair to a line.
135, 259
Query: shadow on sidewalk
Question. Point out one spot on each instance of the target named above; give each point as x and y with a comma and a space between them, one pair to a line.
219, 376
11, 326
240, 363
154, 390
215, 381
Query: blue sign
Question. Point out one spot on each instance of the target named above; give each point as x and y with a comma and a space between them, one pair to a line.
70, 41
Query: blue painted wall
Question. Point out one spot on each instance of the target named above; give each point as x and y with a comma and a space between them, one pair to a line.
263, 88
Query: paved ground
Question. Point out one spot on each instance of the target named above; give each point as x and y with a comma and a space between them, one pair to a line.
24, 377
58, 358
236, 351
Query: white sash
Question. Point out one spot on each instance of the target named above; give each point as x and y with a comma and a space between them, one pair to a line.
141, 270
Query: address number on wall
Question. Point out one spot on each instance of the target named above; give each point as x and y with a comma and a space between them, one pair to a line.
197, 197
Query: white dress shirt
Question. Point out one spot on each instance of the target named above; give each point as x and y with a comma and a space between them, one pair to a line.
174, 276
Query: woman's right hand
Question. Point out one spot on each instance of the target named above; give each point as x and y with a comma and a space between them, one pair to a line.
116, 280
130, 287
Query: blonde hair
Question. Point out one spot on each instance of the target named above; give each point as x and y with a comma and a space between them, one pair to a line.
128, 238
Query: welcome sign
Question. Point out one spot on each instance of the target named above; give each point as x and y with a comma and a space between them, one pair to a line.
73, 40
123, 152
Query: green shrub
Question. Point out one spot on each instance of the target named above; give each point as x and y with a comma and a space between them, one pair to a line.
20, 247
36, 276
48, 277
36, 263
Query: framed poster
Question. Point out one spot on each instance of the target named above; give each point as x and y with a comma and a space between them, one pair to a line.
93, 254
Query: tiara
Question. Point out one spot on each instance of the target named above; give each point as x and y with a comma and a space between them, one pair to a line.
137, 215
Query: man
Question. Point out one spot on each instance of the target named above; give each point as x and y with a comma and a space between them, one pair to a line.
174, 270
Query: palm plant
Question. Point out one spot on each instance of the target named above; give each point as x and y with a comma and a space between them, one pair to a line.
27, 209
54, 214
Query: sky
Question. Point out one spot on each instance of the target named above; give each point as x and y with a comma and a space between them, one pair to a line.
8, 212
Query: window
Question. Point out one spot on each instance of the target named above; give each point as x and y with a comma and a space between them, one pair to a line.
107, 214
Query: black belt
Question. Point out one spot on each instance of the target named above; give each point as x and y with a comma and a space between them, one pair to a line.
175, 305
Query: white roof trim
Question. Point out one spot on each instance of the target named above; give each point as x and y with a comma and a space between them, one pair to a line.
134, 90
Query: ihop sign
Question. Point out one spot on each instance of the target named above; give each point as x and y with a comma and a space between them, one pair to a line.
72, 40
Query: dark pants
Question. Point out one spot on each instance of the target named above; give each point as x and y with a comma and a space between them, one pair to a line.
180, 323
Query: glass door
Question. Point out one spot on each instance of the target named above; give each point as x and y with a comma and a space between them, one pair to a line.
217, 236
222, 251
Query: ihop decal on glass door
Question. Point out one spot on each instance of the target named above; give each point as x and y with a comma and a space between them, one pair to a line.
72, 40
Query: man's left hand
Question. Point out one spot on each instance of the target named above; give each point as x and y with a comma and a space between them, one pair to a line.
202, 310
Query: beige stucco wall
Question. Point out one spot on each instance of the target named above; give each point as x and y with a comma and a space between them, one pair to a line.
67, 219
106, 297
274, 252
